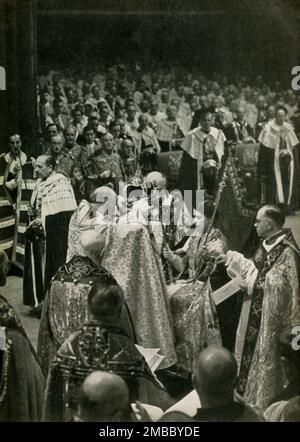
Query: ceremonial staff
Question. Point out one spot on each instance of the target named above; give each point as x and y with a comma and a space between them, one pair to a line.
32, 257
203, 241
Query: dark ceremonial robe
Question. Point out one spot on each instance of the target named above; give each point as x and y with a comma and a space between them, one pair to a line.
21, 379
58, 205
95, 346
270, 311
234, 412
278, 161
65, 307
33, 278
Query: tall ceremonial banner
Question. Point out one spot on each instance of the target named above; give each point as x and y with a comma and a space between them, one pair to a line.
14, 212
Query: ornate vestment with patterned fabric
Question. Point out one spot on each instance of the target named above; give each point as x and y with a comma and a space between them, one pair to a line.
193, 312
129, 256
95, 346
65, 307
271, 309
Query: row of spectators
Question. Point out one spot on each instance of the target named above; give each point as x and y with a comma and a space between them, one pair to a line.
124, 92
109, 125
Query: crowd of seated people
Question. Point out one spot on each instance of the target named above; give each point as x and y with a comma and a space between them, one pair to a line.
100, 112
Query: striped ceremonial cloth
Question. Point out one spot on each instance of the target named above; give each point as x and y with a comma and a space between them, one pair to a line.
14, 213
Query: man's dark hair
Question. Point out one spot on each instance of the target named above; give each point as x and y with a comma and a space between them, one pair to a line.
51, 124
94, 87
105, 298
203, 112
280, 107
87, 128
113, 124
57, 101
77, 109
130, 102
275, 213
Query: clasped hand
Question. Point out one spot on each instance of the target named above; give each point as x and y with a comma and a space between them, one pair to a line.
204, 253
221, 258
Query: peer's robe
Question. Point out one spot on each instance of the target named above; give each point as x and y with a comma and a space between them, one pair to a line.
281, 172
15, 191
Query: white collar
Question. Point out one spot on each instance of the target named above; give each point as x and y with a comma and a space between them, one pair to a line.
268, 248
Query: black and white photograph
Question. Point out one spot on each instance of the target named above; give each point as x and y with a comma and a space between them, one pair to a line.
149, 212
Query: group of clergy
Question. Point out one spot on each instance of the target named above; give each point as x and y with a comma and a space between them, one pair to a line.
114, 281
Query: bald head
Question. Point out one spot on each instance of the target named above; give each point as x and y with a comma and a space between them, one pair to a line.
215, 373
44, 166
274, 213
156, 179
103, 397
70, 136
